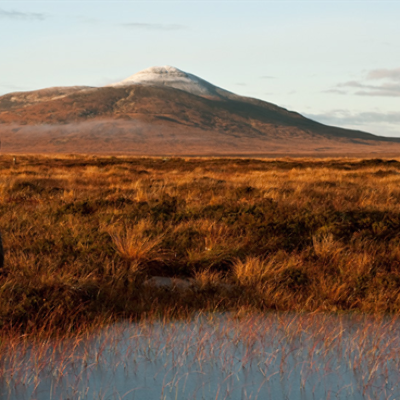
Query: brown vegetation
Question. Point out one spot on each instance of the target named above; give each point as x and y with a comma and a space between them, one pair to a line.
83, 234
162, 120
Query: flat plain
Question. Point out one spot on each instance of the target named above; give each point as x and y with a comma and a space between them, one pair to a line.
124, 270
86, 235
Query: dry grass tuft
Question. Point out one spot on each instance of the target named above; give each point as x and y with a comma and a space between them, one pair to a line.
135, 245
251, 272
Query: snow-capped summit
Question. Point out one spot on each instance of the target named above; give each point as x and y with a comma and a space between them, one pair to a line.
174, 77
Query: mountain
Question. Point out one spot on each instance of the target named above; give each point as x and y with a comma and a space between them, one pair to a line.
163, 110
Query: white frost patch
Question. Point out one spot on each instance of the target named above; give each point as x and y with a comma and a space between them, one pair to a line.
174, 77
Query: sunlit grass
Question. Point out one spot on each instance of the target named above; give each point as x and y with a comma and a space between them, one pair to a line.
83, 234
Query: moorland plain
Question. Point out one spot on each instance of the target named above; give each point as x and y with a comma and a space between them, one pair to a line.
83, 234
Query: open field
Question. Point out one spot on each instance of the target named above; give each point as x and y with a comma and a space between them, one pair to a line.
84, 235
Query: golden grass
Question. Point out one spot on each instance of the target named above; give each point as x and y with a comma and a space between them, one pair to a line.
134, 245
82, 234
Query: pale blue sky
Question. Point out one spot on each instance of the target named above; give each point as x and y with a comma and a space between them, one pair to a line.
335, 61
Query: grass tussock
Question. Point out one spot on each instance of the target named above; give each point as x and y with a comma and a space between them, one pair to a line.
83, 234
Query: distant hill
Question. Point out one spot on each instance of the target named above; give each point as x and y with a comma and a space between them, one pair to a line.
161, 111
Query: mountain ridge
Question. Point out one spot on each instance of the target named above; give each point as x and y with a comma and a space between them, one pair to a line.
163, 110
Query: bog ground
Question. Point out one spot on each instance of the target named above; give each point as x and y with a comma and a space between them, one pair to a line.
83, 235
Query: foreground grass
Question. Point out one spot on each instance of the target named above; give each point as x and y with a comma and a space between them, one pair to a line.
83, 234
212, 356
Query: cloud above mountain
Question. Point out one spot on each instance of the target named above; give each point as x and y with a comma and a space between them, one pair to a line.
393, 74
346, 117
377, 82
154, 26
384, 123
19, 15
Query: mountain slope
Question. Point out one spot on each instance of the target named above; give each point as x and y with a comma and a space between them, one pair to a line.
163, 110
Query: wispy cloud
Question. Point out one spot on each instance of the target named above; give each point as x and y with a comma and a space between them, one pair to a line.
154, 26
387, 85
380, 123
7, 86
341, 117
335, 91
19, 15
392, 74
387, 89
